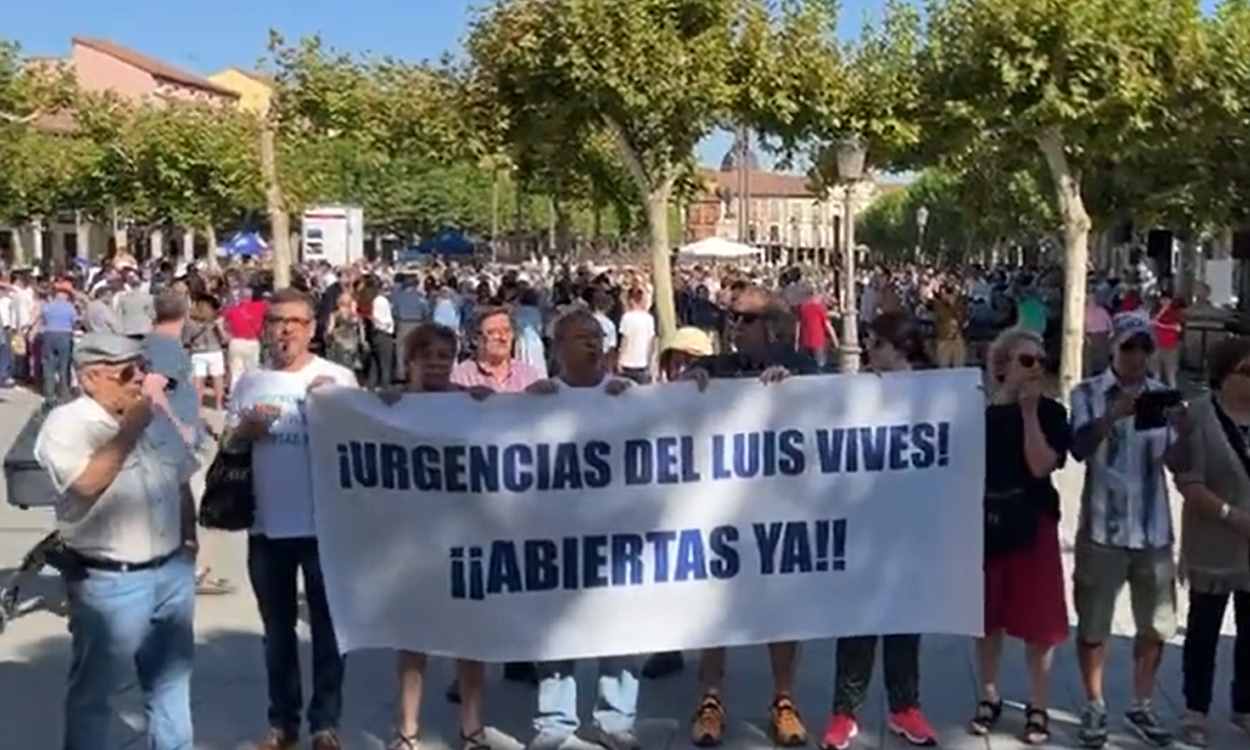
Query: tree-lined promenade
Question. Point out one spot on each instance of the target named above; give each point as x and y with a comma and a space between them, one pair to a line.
1042, 118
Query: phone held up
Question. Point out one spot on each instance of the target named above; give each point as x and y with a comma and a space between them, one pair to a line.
1152, 409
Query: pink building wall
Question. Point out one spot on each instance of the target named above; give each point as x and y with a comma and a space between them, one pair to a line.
99, 72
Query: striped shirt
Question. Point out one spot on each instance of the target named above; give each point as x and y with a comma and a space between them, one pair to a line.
471, 374
1125, 501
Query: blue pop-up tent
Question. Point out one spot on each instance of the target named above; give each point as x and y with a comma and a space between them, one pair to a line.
246, 244
449, 242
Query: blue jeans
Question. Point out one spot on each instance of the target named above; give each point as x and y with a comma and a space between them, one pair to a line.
139, 621
615, 708
58, 347
6, 357
272, 565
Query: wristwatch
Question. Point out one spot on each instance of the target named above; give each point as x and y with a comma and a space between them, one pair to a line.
1225, 512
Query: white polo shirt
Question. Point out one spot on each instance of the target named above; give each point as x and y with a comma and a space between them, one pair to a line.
139, 517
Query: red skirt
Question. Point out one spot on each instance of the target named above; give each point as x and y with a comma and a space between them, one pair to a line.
1024, 593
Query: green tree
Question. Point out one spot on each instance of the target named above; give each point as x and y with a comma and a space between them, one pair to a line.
1076, 79
656, 75
364, 129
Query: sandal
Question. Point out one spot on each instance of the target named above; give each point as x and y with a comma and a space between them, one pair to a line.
1036, 726
475, 741
402, 742
207, 585
986, 718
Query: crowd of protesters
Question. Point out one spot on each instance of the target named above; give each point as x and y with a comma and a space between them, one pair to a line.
534, 328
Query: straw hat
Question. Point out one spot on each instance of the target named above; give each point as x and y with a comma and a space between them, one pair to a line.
691, 341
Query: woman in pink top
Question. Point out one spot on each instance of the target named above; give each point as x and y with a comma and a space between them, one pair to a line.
1097, 337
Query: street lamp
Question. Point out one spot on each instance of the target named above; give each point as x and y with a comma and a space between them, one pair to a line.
922, 220
851, 155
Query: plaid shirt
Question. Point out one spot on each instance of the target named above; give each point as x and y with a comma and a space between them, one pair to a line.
1125, 500
471, 374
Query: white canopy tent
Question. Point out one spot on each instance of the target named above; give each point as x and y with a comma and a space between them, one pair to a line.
718, 248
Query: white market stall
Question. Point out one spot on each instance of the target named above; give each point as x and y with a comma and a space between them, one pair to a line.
718, 248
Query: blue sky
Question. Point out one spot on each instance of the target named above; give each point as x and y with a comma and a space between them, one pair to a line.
204, 37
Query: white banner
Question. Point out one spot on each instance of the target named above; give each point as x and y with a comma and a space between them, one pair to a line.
582, 524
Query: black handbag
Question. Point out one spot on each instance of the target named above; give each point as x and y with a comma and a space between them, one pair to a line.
1010, 521
229, 502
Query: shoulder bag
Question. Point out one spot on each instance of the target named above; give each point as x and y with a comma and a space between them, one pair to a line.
229, 502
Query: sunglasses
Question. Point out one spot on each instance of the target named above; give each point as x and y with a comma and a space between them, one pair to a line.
129, 373
1029, 361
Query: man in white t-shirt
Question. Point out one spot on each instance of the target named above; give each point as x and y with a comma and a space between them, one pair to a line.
637, 339
267, 413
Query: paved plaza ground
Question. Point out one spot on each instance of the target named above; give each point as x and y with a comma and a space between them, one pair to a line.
229, 684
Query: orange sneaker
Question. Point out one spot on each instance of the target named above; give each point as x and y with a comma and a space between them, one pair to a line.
787, 725
708, 727
841, 730
912, 726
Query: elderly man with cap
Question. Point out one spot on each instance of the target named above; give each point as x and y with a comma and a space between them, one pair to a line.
1125, 533
127, 522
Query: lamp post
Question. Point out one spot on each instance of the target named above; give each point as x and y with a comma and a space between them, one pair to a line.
922, 220
851, 154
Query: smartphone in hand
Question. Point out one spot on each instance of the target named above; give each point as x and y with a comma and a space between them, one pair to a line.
1152, 408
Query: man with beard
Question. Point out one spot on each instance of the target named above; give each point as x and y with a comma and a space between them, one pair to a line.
267, 417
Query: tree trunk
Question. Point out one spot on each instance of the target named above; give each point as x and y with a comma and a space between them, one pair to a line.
121, 241
36, 236
211, 233
1184, 277
57, 251
19, 247
563, 229
82, 236
279, 220
661, 259
1076, 226
494, 217
552, 246
187, 255
156, 244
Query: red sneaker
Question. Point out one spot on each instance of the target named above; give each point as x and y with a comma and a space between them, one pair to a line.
841, 730
912, 726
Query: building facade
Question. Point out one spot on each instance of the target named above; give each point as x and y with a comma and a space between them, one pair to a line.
255, 90
785, 212
98, 66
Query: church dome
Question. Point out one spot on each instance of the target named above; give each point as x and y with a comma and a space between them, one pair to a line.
730, 162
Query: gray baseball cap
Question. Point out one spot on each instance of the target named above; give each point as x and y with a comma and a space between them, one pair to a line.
106, 349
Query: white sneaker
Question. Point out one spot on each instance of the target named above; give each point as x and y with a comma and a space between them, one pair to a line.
555, 740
